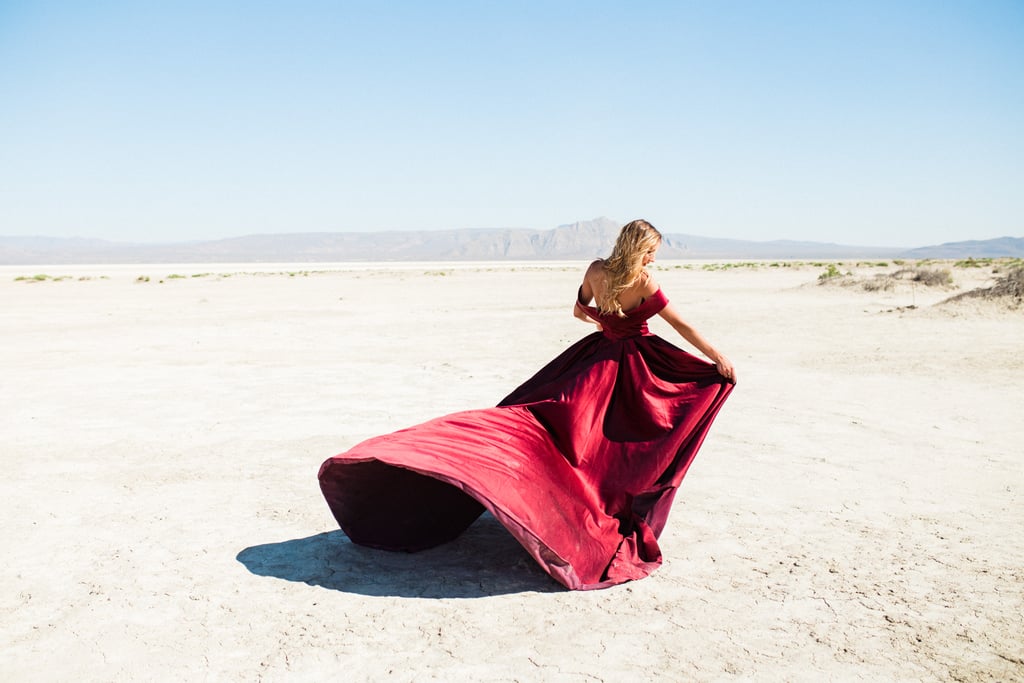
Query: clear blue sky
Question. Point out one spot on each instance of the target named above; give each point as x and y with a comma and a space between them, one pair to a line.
882, 123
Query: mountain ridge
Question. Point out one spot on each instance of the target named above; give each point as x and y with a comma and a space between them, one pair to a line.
571, 241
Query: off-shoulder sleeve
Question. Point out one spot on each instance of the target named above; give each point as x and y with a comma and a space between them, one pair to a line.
657, 301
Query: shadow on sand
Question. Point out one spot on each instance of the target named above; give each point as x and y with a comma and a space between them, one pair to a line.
485, 560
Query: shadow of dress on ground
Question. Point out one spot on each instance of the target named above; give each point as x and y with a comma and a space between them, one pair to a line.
580, 463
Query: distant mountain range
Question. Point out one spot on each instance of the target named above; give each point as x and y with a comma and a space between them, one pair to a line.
574, 241
994, 248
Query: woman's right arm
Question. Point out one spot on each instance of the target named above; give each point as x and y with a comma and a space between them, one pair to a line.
586, 295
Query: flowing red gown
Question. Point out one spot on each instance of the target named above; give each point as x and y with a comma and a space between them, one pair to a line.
580, 463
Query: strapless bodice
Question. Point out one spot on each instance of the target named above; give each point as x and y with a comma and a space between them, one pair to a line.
633, 324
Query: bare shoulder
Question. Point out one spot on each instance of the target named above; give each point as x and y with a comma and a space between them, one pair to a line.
595, 271
592, 280
648, 285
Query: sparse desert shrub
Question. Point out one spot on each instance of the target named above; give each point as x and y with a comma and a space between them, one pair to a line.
886, 282
971, 262
1009, 289
926, 276
934, 278
881, 282
1005, 265
1011, 284
831, 272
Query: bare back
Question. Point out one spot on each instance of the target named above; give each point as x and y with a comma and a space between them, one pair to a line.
595, 283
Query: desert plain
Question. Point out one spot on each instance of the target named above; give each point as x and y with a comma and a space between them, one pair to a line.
856, 513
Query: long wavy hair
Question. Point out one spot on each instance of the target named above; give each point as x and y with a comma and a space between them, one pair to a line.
624, 267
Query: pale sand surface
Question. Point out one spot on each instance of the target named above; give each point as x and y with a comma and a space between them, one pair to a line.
855, 514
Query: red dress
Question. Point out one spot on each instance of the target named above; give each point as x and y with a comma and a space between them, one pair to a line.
580, 463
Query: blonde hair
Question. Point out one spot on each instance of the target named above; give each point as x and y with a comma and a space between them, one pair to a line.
626, 264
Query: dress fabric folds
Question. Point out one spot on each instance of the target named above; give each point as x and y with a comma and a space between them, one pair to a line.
580, 463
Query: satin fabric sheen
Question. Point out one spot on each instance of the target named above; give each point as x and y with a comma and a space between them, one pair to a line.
580, 463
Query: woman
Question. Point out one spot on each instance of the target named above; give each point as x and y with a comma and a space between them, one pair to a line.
621, 283
580, 463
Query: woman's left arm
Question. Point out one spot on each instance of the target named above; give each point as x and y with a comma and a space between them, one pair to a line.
690, 334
